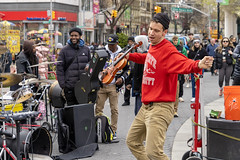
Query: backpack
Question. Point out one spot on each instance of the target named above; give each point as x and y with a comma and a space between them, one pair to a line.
104, 130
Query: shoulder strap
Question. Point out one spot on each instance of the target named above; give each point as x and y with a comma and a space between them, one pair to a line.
69, 64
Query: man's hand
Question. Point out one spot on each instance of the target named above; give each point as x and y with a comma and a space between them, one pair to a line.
129, 86
119, 81
120, 54
206, 62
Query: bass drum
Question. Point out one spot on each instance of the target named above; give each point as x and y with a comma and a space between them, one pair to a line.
37, 141
55, 95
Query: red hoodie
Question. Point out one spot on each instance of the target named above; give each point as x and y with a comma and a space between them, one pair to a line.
162, 64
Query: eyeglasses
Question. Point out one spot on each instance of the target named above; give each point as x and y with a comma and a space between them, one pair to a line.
225, 41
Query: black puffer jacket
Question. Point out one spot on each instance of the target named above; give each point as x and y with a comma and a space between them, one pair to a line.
236, 55
218, 59
197, 54
68, 76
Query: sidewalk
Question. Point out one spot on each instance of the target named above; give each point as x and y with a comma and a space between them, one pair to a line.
185, 132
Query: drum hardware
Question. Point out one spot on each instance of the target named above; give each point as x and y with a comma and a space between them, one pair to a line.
9, 79
10, 116
44, 63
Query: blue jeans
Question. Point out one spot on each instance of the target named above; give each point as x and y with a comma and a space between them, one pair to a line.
138, 103
193, 83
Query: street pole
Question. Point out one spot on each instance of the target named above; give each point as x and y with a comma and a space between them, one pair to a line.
218, 14
51, 25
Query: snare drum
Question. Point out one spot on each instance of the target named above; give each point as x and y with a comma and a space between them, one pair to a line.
22, 94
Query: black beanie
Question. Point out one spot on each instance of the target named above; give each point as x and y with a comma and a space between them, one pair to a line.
163, 19
76, 30
131, 39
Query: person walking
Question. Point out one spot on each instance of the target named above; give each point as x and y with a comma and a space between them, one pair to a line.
224, 63
138, 72
211, 52
236, 72
181, 49
128, 81
197, 52
74, 59
111, 90
162, 64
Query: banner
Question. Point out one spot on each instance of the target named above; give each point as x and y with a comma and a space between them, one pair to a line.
95, 6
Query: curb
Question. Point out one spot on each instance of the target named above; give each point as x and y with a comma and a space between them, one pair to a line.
185, 132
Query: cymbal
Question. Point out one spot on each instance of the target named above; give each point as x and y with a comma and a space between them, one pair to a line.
29, 81
27, 75
9, 79
44, 63
34, 81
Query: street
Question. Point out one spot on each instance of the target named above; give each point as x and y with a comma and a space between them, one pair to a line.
119, 151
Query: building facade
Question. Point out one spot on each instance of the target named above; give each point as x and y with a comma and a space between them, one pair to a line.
31, 15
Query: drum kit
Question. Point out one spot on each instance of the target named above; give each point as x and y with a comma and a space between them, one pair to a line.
30, 100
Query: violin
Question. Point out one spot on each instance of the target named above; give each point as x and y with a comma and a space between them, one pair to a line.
108, 74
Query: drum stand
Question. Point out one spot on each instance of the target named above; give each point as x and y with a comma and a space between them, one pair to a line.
5, 149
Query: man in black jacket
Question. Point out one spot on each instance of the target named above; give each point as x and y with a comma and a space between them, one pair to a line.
74, 59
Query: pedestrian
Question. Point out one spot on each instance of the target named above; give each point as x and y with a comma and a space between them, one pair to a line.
162, 64
224, 63
181, 49
74, 59
236, 72
190, 41
128, 81
27, 58
58, 48
197, 52
211, 52
111, 90
233, 41
138, 72
5, 58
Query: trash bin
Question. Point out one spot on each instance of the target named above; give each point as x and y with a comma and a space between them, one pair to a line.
219, 146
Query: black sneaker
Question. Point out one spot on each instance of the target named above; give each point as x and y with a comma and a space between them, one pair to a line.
126, 104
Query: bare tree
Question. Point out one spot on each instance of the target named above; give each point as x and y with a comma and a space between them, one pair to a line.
120, 6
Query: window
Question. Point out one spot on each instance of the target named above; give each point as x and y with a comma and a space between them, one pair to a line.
86, 4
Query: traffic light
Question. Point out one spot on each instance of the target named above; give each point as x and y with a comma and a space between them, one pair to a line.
157, 9
53, 15
114, 13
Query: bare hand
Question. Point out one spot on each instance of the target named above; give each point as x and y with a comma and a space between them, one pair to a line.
120, 54
119, 81
129, 86
206, 62
230, 52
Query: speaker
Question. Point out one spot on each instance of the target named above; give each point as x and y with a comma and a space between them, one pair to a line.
99, 58
81, 122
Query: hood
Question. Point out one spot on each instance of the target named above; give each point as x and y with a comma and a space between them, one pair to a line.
80, 44
144, 46
178, 43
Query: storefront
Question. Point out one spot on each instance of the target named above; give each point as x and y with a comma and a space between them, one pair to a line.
36, 20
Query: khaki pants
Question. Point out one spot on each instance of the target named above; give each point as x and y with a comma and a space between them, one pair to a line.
108, 91
150, 124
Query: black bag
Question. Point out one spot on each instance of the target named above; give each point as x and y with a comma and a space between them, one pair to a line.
104, 130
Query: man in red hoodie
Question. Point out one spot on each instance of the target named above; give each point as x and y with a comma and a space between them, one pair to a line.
162, 64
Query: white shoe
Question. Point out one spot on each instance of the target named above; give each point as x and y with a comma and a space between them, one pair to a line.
181, 99
193, 100
187, 85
